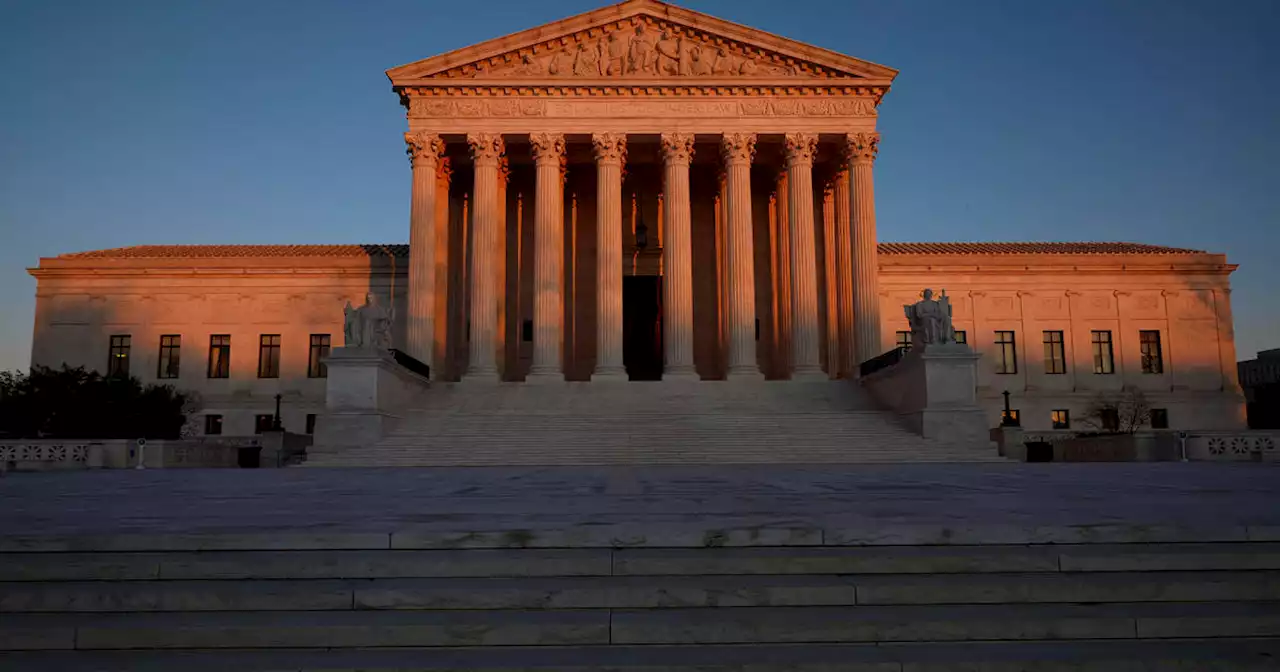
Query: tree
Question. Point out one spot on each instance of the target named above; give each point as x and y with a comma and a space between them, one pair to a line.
1122, 412
74, 403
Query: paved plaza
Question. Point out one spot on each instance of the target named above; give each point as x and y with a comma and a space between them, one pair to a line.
1210, 498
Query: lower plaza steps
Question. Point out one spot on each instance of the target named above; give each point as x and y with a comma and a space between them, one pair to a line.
523, 424
713, 601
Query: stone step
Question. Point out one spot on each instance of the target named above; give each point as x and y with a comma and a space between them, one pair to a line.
721, 625
1102, 656
623, 592
1238, 655
553, 562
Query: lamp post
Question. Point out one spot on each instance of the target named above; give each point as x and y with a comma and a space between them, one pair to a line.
276, 425
1007, 420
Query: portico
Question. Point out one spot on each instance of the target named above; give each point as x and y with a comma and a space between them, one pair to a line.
642, 139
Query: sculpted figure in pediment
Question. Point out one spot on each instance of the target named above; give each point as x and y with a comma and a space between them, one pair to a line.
613, 55
668, 54
640, 54
587, 62
561, 63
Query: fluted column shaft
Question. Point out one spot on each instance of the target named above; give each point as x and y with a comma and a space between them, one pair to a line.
844, 277
677, 258
610, 152
806, 336
738, 150
486, 152
862, 149
548, 257
783, 215
424, 150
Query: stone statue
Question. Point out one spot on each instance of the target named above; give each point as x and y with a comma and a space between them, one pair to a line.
368, 326
930, 321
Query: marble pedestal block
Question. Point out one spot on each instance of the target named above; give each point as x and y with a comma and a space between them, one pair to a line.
365, 395
935, 391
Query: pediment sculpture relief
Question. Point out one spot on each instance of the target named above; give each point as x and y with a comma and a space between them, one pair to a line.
640, 48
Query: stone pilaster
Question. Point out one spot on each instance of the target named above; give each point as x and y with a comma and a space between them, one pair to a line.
446, 339
738, 150
610, 152
862, 148
424, 150
806, 332
844, 276
548, 258
486, 152
677, 258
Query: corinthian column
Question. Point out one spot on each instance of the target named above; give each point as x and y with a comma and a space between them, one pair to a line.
738, 149
486, 152
611, 152
862, 148
806, 337
677, 259
548, 258
844, 277
424, 150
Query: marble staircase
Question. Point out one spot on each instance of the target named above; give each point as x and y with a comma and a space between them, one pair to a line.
762, 600
820, 422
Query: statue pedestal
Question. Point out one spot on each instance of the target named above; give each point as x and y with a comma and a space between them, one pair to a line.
935, 390
365, 395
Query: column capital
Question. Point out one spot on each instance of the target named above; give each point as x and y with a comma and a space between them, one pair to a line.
800, 148
444, 169
862, 147
548, 148
423, 148
504, 171
610, 147
486, 148
738, 148
677, 148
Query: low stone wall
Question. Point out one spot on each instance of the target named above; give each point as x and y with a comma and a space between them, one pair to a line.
1147, 445
54, 455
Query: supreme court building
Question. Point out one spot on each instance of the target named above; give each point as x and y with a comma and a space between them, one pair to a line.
644, 192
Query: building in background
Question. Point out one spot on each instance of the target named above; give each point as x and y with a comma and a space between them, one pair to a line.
1260, 379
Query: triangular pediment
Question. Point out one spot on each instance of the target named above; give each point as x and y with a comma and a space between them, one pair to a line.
641, 41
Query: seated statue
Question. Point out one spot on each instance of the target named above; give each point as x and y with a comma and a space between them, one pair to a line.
368, 326
930, 321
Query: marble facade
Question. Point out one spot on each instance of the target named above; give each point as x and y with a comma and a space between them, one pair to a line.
643, 192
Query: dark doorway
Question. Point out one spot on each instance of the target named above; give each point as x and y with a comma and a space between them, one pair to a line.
642, 326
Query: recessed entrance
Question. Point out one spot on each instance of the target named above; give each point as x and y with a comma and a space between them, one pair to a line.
642, 326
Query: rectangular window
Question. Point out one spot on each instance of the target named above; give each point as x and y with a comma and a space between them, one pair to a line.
311, 423
118, 359
170, 354
1152, 359
962, 337
1103, 356
316, 367
269, 356
212, 425
1010, 417
1110, 419
904, 340
1159, 418
1055, 358
262, 423
220, 356
1007, 359
1061, 419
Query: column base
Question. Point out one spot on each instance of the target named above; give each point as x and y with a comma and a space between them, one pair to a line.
745, 374
480, 378
547, 377
681, 375
613, 374
809, 375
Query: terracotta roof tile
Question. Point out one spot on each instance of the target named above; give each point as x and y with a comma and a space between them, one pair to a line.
402, 251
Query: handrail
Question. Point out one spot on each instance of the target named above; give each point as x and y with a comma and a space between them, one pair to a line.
882, 361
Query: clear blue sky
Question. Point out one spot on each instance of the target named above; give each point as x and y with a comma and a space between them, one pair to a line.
270, 121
